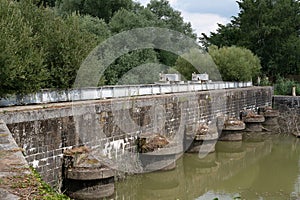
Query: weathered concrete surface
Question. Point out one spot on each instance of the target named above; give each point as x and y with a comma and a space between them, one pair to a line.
271, 120
45, 131
289, 118
256, 119
85, 177
283, 102
89, 174
115, 91
254, 122
231, 136
12, 161
254, 127
233, 125
209, 136
99, 193
4, 194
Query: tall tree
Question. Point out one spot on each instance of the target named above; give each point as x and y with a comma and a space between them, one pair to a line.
270, 29
125, 20
66, 44
64, 41
102, 9
95, 26
154, 15
40, 49
199, 62
235, 63
173, 20
21, 61
226, 35
121, 68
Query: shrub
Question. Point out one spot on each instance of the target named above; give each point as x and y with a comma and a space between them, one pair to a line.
21, 61
236, 63
39, 49
199, 62
284, 86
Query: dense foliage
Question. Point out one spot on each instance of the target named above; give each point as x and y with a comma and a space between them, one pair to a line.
284, 87
270, 29
235, 63
21, 61
102, 9
38, 48
199, 62
43, 42
126, 63
226, 63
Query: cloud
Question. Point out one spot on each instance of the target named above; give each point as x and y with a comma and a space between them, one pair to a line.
143, 2
204, 15
224, 8
204, 23
173, 2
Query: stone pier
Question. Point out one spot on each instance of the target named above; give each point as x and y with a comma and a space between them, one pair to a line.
232, 130
85, 178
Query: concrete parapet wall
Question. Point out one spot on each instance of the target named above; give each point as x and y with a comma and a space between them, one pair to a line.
44, 131
284, 102
49, 96
289, 118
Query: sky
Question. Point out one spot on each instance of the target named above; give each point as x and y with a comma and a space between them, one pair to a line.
204, 15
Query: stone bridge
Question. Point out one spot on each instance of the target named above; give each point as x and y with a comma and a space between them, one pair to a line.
44, 131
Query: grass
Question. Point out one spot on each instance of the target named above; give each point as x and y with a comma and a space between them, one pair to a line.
30, 186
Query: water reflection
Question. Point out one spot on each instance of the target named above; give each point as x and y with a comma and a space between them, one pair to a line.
264, 167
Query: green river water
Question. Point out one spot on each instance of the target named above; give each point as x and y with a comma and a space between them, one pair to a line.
260, 167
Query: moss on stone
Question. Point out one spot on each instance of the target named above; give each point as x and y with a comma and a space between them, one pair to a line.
29, 186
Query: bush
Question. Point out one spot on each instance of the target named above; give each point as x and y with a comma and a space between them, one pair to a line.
284, 86
66, 45
199, 62
21, 62
236, 63
39, 49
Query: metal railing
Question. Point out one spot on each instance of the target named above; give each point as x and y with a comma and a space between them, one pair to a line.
117, 91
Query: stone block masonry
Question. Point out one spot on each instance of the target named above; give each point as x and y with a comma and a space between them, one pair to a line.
284, 102
112, 125
12, 163
289, 118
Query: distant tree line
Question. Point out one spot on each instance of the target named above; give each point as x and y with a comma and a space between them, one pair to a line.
270, 29
43, 42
